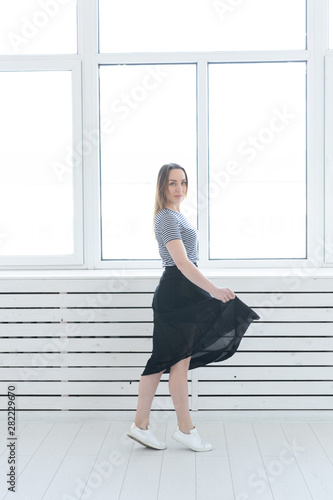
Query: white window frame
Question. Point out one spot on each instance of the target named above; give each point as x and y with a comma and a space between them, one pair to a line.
329, 158
328, 183
86, 106
51, 63
317, 36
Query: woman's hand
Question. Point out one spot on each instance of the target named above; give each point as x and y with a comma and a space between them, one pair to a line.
223, 294
177, 251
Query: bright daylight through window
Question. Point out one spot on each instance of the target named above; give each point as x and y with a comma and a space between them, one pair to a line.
36, 200
148, 113
223, 88
256, 118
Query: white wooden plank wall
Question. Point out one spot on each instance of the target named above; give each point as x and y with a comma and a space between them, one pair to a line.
81, 344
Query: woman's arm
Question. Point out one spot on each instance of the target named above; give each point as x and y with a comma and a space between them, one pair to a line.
178, 253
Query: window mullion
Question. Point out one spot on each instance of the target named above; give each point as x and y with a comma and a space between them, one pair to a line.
88, 50
202, 189
316, 32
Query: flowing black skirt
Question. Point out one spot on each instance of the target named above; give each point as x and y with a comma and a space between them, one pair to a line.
189, 322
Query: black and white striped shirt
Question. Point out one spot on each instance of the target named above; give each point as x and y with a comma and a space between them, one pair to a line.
170, 225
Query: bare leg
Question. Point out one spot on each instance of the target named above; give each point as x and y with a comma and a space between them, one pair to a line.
179, 392
147, 388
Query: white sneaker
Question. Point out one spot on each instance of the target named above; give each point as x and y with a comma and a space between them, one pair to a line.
145, 437
192, 440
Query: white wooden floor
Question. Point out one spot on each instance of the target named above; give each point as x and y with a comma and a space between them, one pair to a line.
92, 458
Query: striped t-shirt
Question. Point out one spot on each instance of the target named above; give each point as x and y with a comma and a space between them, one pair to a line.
171, 225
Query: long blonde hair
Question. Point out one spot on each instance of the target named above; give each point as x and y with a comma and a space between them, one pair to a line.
161, 185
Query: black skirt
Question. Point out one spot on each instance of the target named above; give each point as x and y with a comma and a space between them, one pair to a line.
190, 322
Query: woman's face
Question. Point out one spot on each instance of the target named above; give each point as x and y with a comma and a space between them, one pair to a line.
176, 187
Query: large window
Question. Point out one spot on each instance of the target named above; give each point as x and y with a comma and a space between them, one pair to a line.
40, 126
36, 200
257, 151
151, 111
96, 96
254, 113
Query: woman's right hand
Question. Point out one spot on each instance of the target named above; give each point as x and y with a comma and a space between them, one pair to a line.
224, 294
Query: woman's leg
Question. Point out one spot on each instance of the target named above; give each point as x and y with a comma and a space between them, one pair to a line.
179, 392
147, 388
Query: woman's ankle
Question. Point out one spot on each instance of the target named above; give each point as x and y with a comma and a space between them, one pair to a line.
141, 425
185, 428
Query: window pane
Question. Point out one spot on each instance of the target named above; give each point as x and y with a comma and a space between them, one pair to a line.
38, 27
36, 200
201, 25
257, 124
148, 118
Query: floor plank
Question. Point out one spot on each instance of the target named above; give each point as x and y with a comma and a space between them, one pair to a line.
247, 469
89, 439
213, 477
71, 477
178, 470
91, 458
285, 478
142, 476
272, 440
41, 468
213, 432
111, 464
31, 437
324, 433
313, 462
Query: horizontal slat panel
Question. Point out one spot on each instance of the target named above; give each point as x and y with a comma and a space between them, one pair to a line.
283, 362
297, 280
142, 314
81, 315
85, 402
221, 372
76, 344
284, 329
265, 388
120, 284
83, 300
165, 403
87, 388
224, 372
145, 344
266, 403
140, 359
46, 373
129, 388
75, 329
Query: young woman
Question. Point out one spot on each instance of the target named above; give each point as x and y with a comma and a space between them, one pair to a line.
195, 322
